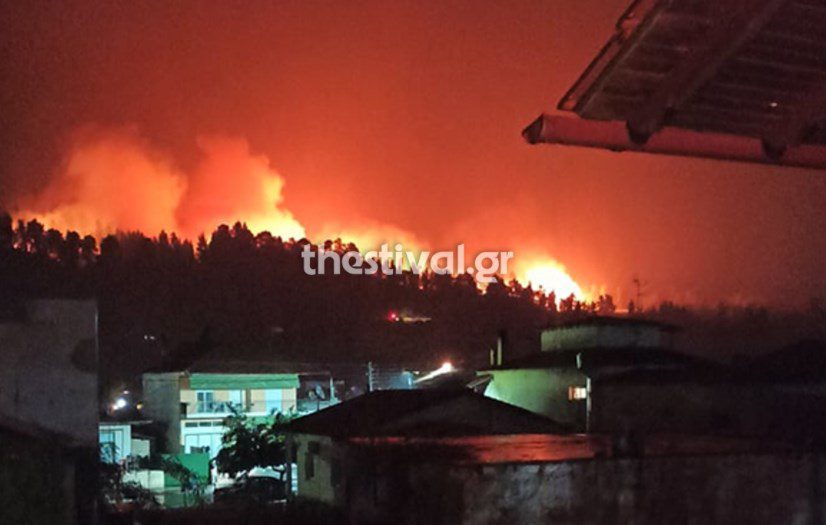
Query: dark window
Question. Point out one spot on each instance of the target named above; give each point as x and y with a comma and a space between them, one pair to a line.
309, 465
335, 472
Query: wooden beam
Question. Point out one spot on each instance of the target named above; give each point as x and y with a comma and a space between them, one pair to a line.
738, 21
809, 110
612, 135
633, 23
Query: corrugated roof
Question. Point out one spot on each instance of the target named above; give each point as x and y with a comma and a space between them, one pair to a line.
747, 68
742, 66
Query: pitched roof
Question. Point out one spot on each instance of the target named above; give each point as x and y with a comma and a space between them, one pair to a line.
423, 413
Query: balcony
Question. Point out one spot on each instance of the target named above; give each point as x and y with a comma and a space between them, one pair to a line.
214, 408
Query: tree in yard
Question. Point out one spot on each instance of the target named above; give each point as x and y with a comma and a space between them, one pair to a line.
248, 444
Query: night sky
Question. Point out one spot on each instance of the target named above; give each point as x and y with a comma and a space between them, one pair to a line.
401, 113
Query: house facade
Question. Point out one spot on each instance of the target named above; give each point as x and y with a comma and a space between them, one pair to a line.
620, 376
118, 441
192, 404
574, 360
338, 451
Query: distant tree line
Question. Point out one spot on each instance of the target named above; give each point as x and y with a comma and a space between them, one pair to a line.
161, 297
164, 299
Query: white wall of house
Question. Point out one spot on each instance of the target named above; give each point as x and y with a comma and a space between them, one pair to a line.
141, 448
148, 479
202, 435
202, 429
115, 441
320, 469
551, 392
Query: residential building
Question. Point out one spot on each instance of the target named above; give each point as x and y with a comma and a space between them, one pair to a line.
193, 402
612, 376
328, 445
560, 380
122, 440
455, 457
608, 332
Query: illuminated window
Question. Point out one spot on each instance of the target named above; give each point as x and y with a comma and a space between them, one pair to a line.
577, 393
206, 402
273, 400
236, 400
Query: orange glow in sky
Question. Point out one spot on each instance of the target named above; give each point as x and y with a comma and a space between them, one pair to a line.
397, 121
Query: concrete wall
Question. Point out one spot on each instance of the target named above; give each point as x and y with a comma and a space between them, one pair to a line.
591, 336
543, 391
697, 408
48, 369
148, 479
326, 456
38, 482
141, 448
707, 490
703, 490
161, 403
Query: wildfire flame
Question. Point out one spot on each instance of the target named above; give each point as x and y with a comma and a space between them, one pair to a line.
112, 179
551, 276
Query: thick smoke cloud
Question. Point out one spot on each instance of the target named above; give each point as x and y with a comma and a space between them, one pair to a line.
113, 179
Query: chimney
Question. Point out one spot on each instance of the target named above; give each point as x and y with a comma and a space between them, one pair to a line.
501, 344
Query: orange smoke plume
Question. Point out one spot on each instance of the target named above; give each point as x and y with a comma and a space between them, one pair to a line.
112, 179
369, 235
115, 180
229, 185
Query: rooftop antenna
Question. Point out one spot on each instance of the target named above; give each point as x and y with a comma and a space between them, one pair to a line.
639, 285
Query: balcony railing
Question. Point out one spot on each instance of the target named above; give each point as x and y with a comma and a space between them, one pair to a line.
216, 407
307, 406
225, 408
